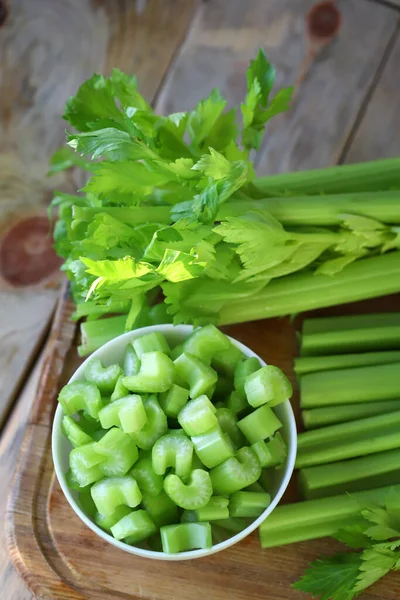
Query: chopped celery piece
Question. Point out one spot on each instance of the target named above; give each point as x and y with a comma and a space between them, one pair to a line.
119, 452
131, 362
265, 480
198, 416
199, 376
311, 364
133, 528
120, 390
213, 447
161, 509
225, 361
86, 503
104, 378
232, 524
270, 453
330, 415
268, 385
176, 351
205, 342
217, 508
185, 536
155, 427
97, 435
349, 386
74, 434
243, 369
148, 481
248, 504
254, 487
110, 493
237, 403
354, 475
151, 342
174, 451
193, 495
88, 423
223, 388
107, 521
74, 484
86, 464
235, 473
78, 396
156, 374
259, 424
128, 413
301, 521
174, 400
228, 423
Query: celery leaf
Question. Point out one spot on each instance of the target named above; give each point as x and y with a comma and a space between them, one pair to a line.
331, 578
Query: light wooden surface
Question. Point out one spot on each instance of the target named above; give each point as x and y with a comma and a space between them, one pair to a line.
347, 109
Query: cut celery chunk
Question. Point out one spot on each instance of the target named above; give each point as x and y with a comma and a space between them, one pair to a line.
199, 376
135, 527
120, 390
228, 423
161, 509
104, 378
86, 503
198, 416
271, 453
128, 413
174, 451
235, 473
155, 427
156, 374
225, 361
174, 400
86, 464
107, 521
243, 369
80, 396
131, 362
248, 504
176, 351
217, 508
119, 452
193, 495
213, 447
237, 403
74, 434
185, 536
259, 424
269, 385
151, 342
110, 493
148, 481
205, 342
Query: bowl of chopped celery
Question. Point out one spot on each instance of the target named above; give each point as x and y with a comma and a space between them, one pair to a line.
174, 443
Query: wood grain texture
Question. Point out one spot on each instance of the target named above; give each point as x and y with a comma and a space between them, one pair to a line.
313, 132
47, 49
59, 558
377, 135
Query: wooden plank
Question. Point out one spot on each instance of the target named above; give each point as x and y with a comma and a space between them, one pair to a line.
312, 134
45, 55
377, 135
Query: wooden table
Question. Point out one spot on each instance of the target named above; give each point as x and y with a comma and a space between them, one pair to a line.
346, 110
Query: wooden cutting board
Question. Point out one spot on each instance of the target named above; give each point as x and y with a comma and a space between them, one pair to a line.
59, 558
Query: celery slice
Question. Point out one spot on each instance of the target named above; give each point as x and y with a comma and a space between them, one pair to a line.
174, 400
155, 427
269, 385
133, 528
131, 362
225, 361
199, 376
331, 415
243, 369
228, 423
128, 413
172, 451
259, 424
105, 378
213, 447
156, 374
176, 351
271, 453
112, 492
162, 510
151, 342
236, 403
217, 508
198, 416
223, 388
120, 390
185, 536
149, 482
310, 364
119, 452
234, 525
107, 521
205, 342
193, 495
75, 434
86, 464
248, 504
86, 503
80, 396
235, 473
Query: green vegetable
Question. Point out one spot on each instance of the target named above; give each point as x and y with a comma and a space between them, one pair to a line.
73, 432
156, 374
155, 427
242, 370
173, 401
193, 495
237, 403
205, 342
107, 521
217, 508
199, 376
374, 383
213, 447
162, 510
78, 396
248, 504
235, 473
133, 528
259, 424
112, 492
348, 440
105, 378
172, 451
198, 416
151, 342
329, 415
226, 361
375, 470
271, 453
120, 390
149, 482
119, 452
185, 536
310, 364
131, 362
267, 385
228, 423
128, 413
95, 334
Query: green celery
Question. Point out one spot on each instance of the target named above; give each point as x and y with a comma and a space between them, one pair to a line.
318, 518
86, 503
235, 473
95, 334
193, 495
78, 396
354, 475
269, 385
242, 370
330, 415
133, 528
161, 509
259, 424
205, 342
173, 401
227, 421
217, 508
128, 413
112, 492
265, 480
373, 383
248, 504
131, 362
310, 364
149, 482
225, 361
237, 403
176, 351
213, 447
254, 487
348, 440
119, 452
155, 427
86, 465
105, 378
234, 525
271, 453
74, 433
156, 374
172, 451
199, 376
223, 389
107, 521
120, 390
151, 342
198, 416
185, 536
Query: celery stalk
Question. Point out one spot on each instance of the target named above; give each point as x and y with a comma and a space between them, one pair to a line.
354, 475
349, 386
310, 364
330, 415
318, 518
96, 333
367, 278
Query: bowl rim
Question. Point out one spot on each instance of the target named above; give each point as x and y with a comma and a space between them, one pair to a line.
56, 436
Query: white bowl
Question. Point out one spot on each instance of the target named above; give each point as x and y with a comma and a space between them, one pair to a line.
112, 352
